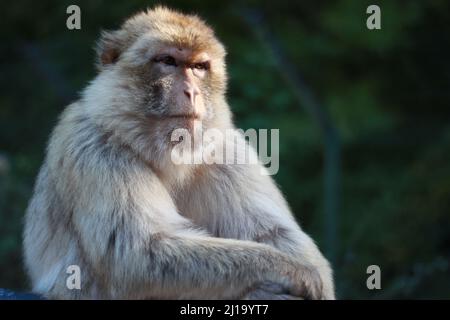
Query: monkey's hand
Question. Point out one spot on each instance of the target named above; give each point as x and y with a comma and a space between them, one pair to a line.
270, 291
304, 282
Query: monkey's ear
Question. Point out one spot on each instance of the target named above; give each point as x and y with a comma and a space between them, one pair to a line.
109, 47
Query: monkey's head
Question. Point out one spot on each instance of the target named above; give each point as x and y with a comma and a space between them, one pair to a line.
160, 71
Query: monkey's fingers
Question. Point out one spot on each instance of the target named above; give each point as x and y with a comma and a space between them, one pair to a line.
259, 294
270, 291
308, 284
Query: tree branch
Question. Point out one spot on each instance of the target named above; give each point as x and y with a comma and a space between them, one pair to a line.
307, 100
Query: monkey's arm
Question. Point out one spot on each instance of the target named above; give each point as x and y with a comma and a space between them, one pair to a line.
134, 239
276, 226
262, 209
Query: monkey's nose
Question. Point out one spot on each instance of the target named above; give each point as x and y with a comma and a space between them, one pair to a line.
191, 94
187, 93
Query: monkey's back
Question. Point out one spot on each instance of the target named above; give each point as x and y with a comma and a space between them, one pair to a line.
50, 243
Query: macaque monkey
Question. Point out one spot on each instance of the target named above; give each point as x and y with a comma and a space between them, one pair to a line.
110, 200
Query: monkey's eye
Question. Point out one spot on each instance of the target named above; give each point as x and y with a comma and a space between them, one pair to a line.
201, 66
167, 60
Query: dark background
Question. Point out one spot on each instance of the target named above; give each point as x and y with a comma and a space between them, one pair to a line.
363, 118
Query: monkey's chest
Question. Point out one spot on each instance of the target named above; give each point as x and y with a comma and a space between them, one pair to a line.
213, 212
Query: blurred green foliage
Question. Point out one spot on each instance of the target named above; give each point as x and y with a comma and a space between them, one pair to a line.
386, 91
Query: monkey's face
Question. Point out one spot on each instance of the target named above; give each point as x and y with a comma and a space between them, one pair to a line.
174, 86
